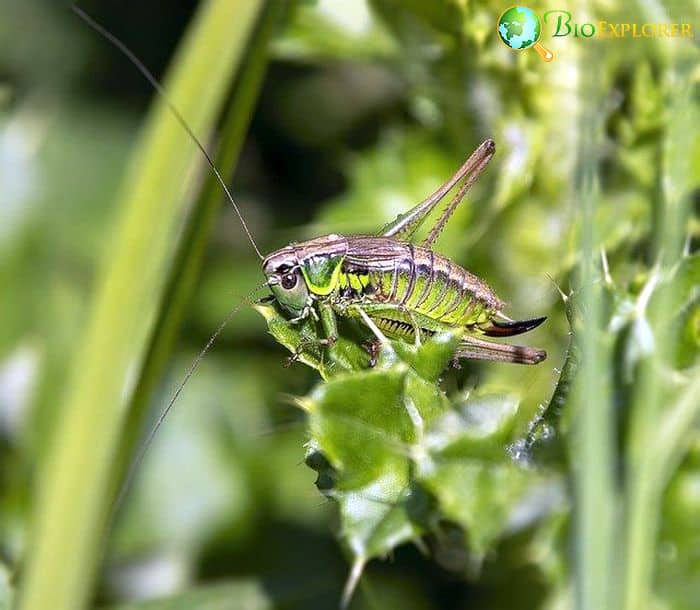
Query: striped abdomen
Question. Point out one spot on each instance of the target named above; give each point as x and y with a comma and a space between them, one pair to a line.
393, 272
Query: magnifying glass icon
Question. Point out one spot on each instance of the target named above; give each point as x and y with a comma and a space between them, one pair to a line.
519, 28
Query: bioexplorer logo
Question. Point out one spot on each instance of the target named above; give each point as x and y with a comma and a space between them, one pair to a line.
520, 28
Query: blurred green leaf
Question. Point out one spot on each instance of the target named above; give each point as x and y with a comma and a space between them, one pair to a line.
214, 498
226, 596
679, 537
77, 483
6, 593
321, 32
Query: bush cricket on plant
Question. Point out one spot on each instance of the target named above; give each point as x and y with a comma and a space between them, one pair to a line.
401, 289
396, 288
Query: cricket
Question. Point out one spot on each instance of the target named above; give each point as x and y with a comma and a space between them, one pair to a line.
398, 289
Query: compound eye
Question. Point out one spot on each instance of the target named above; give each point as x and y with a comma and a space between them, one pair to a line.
289, 281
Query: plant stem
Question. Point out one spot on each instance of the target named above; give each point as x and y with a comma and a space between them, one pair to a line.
592, 453
652, 425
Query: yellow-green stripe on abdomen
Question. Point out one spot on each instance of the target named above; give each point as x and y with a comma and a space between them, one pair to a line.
430, 284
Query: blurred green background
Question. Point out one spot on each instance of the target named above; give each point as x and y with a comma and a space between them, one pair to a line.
363, 108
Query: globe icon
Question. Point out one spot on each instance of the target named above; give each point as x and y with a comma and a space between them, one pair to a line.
519, 28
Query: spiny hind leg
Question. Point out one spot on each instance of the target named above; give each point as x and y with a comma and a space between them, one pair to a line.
474, 348
405, 225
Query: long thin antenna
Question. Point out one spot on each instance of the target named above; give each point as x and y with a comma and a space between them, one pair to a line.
133, 469
111, 38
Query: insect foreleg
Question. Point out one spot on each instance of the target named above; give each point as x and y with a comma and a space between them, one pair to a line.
330, 328
372, 347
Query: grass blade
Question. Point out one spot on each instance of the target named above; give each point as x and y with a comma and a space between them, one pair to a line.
73, 496
188, 261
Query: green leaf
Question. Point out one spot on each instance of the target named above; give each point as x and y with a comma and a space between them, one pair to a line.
480, 497
546, 432
430, 359
480, 426
348, 420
